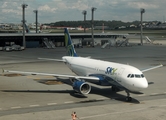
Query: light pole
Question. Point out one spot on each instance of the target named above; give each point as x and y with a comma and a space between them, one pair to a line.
36, 12
142, 11
93, 9
84, 13
23, 22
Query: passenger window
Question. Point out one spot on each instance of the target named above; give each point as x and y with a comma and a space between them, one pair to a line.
132, 76
128, 75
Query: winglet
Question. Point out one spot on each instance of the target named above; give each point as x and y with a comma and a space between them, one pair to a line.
69, 45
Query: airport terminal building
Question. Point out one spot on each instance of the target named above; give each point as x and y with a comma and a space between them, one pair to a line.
41, 39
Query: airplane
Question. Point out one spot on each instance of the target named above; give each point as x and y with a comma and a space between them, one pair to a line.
119, 76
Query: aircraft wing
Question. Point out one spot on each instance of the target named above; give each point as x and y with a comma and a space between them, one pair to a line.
55, 75
151, 68
58, 60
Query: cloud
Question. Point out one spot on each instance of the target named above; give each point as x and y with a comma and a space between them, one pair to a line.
139, 5
11, 11
60, 10
73, 4
47, 8
8, 8
4, 5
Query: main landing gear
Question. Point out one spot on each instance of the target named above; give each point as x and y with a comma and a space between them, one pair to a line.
128, 98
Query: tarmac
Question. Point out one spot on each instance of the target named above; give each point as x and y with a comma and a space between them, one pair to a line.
25, 97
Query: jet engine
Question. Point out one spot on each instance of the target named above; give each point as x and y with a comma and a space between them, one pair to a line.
81, 87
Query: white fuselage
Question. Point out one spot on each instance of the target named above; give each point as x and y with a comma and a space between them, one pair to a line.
127, 76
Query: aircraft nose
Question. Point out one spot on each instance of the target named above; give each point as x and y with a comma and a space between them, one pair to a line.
144, 84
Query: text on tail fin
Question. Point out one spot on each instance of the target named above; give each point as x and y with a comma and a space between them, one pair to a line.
69, 45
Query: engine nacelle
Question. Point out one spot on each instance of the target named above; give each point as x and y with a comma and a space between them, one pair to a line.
81, 87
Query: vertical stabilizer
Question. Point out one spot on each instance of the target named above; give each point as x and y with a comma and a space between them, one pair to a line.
69, 45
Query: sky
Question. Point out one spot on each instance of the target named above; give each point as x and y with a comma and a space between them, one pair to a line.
71, 10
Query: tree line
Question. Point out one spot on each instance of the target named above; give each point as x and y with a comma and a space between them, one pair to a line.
111, 24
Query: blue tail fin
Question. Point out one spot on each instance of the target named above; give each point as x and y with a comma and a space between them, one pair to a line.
69, 45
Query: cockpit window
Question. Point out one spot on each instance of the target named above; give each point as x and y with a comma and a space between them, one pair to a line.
128, 75
137, 75
142, 75
132, 76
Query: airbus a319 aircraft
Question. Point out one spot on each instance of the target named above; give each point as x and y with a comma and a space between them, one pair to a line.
104, 73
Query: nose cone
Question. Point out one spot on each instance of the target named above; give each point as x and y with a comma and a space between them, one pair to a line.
143, 84
138, 84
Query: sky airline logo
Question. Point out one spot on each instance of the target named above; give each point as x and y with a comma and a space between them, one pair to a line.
110, 70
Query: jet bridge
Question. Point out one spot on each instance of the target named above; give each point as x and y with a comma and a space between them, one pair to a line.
37, 39
115, 43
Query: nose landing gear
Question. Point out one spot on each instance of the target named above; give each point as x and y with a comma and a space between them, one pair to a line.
128, 98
